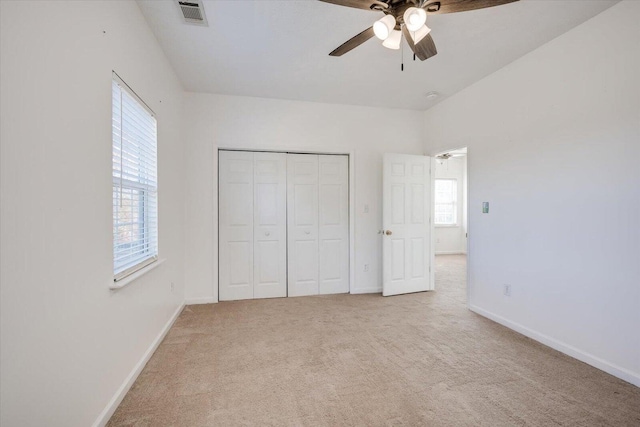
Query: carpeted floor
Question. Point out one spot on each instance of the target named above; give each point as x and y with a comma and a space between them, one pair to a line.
364, 360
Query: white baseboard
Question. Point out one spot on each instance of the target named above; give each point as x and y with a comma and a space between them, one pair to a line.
106, 414
450, 253
201, 300
616, 371
366, 291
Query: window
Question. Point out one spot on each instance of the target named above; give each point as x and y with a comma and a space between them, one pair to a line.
135, 187
446, 202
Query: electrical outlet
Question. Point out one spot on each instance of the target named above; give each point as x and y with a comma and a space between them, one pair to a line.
172, 286
366, 268
507, 290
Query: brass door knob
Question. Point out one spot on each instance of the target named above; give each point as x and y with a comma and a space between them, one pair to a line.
388, 233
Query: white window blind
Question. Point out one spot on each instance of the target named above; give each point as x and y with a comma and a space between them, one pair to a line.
446, 202
135, 186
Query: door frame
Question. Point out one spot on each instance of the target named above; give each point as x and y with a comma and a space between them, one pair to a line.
288, 150
466, 207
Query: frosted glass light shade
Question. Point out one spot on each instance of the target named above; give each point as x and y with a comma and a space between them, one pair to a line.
393, 41
414, 18
383, 27
420, 34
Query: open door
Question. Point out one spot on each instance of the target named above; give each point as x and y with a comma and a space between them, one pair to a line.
407, 247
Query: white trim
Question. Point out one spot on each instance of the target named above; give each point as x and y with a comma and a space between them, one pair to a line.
432, 227
122, 275
285, 149
574, 352
352, 221
115, 401
136, 274
450, 252
200, 300
467, 248
215, 243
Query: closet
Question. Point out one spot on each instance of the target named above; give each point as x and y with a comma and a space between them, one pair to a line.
283, 224
252, 225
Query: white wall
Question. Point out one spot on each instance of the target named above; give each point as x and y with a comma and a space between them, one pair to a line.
554, 146
240, 122
451, 239
68, 342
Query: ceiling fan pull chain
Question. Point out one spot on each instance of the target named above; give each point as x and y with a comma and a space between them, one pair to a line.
414, 37
401, 53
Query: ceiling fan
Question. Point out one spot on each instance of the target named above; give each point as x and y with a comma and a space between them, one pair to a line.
447, 156
406, 18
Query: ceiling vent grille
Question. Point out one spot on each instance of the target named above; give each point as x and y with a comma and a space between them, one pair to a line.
193, 12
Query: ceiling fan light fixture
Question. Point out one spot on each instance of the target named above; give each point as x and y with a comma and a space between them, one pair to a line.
420, 34
414, 18
383, 27
393, 41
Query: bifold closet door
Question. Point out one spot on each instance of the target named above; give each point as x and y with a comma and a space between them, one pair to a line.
318, 218
302, 218
270, 225
333, 224
235, 211
252, 225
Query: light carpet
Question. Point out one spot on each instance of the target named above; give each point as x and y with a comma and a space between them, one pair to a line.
366, 360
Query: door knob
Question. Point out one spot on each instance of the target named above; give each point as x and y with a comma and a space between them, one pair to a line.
388, 233
307, 232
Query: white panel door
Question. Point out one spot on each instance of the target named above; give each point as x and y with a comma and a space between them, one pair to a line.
270, 225
406, 248
302, 218
235, 201
333, 224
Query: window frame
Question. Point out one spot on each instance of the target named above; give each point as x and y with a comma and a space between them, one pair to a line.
453, 203
149, 203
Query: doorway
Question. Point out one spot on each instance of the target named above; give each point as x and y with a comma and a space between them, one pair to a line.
451, 222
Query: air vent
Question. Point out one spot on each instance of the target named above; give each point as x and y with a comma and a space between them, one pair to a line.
193, 12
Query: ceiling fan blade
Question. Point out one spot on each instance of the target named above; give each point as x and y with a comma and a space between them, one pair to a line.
359, 4
451, 6
425, 48
353, 42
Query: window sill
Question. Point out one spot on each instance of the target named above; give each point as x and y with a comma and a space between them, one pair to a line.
447, 226
127, 280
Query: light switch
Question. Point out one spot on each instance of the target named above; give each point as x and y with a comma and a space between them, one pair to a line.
366, 208
485, 207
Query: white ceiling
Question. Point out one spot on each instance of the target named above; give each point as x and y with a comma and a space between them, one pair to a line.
279, 49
